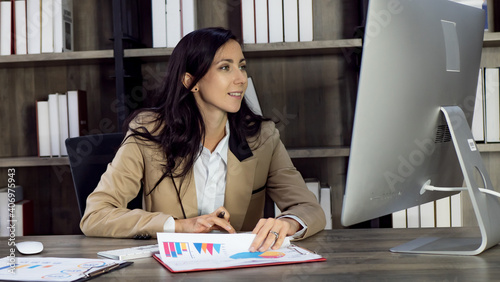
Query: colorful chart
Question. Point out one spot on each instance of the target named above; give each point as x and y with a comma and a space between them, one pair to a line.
175, 249
207, 248
264, 255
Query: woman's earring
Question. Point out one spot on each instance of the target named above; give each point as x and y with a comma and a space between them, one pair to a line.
196, 89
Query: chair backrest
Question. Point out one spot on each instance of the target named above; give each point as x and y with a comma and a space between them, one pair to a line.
88, 157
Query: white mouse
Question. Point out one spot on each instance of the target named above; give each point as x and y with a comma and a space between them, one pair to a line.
29, 247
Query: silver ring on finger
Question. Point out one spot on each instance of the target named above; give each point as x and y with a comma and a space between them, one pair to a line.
275, 234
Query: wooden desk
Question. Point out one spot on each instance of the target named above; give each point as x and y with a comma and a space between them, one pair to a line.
352, 255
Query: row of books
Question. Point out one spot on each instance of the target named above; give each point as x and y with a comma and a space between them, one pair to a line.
269, 21
60, 117
486, 119
446, 212
171, 20
16, 213
36, 26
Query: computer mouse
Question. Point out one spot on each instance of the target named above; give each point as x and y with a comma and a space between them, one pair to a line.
29, 247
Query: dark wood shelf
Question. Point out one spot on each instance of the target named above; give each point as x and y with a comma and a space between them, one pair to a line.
33, 161
48, 59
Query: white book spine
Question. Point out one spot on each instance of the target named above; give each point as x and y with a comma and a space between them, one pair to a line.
427, 215
173, 22
325, 202
188, 12
399, 219
305, 20
63, 122
413, 217
478, 116
456, 210
63, 25
159, 22
4, 214
443, 212
43, 129
33, 23
492, 102
248, 21
20, 21
314, 186
47, 25
261, 22
251, 98
275, 13
291, 20
5, 28
55, 147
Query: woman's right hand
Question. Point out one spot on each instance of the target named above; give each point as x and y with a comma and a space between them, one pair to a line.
205, 223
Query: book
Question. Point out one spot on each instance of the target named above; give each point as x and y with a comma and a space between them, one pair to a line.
291, 20
305, 20
456, 210
186, 252
4, 214
173, 22
159, 23
248, 21
325, 202
477, 126
443, 212
188, 16
33, 26
63, 122
63, 26
427, 215
47, 26
314, 186
492, 102
8, 197
413, 217
43, 128
251, 98
77, 113
261, 21
20, 26
399, 219
55, 145
5, 27
275, 14
24, 218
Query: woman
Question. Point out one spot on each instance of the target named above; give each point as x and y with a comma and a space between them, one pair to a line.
204, 159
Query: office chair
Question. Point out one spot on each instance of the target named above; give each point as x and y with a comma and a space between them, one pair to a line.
88, 157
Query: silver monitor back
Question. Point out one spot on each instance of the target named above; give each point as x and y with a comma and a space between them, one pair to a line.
417, 56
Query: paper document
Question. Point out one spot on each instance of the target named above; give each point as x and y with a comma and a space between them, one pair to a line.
182, 252
55, 269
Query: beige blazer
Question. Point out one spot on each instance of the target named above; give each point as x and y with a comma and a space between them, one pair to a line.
253, 169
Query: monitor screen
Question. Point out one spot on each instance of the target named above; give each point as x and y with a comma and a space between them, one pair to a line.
418, 56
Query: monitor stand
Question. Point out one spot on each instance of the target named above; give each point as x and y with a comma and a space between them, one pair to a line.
486, 206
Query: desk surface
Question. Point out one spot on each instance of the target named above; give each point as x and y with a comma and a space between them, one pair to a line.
352, 255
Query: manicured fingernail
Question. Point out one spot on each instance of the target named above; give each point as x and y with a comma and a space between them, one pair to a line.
252, 249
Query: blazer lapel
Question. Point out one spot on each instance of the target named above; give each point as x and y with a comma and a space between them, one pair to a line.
239, 186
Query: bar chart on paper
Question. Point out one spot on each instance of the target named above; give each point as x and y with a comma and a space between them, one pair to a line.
182, 249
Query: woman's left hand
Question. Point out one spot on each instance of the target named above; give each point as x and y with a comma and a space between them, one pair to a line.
266, 230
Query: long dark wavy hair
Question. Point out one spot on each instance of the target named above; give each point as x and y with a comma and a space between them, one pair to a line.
179, 128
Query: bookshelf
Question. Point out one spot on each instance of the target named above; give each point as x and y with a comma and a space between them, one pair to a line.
310, 86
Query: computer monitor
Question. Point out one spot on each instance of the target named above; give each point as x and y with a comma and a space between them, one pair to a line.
416, 93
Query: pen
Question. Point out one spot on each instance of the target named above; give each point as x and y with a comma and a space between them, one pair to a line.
221, 214
98, 271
